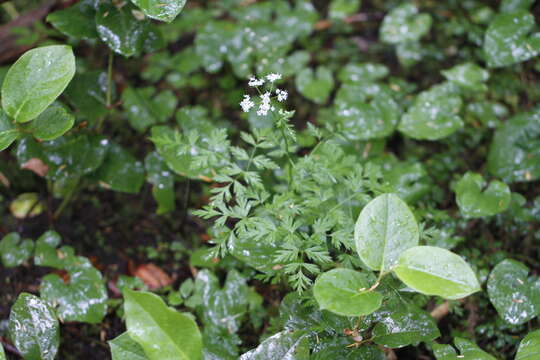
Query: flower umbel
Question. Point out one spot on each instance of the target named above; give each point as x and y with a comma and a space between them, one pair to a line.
265, 104
247, 104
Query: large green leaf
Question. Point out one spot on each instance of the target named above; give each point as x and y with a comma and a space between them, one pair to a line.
54, 122
8, 132
404, 24
468, 75
516, 298
283, 345
475, 200
514, 154
144, 110
163, 332
435, 271
468, 351
123, 347
87, 92
159, 9
76, 21
434, 114
34, 328
529, 347
83, 298
14, 250
345, 292
35, 80
385, 228
120, 171
507, 40
403, 327
315, 85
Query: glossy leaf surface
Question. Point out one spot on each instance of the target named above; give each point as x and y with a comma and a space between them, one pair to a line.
404, 24
123, 347
476, 200
54, 122
283, 345
468, 351
315, 85
160, 10
76, 21
529, 347
8, 132
14, 250
121, 171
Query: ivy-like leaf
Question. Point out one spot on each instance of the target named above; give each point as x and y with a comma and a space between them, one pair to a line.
404, 24
34, 328
435, 271
162, 332
315, 85
36, 79
385, 228
14, 250
346, 292
474, 201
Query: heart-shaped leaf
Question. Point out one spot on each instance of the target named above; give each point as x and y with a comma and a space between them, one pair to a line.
507, 40
434, 114
162, 332
403, 327
14, 250
83, 298
315, 85
159, 9
529, 347
283, 345
385, 228
123, 347
345, 292
36, 80
515, 297
404, 24
474, 201
435, 271
34, 328
467, 349
54, 122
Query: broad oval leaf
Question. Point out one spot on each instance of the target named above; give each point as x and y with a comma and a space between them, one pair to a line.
404, 327
34, 328
76, 21
507, 40
404, 24
385, 228
123, 347
315, 85
468, 75
54, 122
511, 292
435, 271
163, 332
159, 9
468, 351
8, 132
529, 347
120, 171
345, 292
475, 202
283, 345
36, 80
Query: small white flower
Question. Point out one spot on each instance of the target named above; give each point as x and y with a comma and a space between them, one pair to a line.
264, 107
255, 82
247, 104
273, 77
281, 95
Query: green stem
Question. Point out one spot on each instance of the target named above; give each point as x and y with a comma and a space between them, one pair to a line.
65, 201
109, 79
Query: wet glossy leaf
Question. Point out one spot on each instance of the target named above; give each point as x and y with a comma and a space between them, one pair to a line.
283, 345
362, 72
162, 332
345, 292
121, 171
315, 85
514, 152
435, 271
76, 21
404, 327
34, 328
55, 121
476, 200
123, 347
36, 80
468, 75
83, 298
159, 9
257, 254
144, 110
47, 254
366, 112
162, 179
338, 348
26, 205
508, 39
339, 9
385, 228
511, 292
529, 347
87, 93
513, 5
123, 33
404, 24
468, 351
14, 250
434, 114
8, 132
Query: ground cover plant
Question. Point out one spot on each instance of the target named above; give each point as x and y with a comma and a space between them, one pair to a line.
272, 179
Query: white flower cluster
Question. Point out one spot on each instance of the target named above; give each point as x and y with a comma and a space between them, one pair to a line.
265, 104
